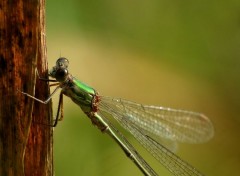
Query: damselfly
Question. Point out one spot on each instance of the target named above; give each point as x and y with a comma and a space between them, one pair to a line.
145, 123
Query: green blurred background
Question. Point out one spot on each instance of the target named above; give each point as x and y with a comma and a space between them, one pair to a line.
179, 54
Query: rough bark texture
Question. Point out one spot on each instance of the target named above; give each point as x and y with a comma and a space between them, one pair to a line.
25, 146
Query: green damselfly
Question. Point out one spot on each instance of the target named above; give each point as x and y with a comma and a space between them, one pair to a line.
145, 123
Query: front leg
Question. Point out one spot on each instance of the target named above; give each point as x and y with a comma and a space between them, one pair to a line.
41, 101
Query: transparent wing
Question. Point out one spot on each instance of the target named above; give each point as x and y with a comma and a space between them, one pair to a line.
130, 149
167, 158
177, 125
119, 109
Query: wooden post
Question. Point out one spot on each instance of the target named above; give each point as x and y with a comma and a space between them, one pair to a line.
25, 146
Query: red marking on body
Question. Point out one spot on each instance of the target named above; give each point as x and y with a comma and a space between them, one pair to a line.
95, 102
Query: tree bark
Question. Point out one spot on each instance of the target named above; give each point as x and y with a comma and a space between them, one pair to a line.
25, 146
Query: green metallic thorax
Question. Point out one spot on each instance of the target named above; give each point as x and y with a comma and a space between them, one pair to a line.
80, 93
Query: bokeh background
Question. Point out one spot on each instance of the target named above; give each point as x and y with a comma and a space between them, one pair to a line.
179, 54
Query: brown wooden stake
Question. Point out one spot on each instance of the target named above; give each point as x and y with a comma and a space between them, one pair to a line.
25, 146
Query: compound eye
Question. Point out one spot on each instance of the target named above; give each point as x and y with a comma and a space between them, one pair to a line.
62, 62
61, 75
